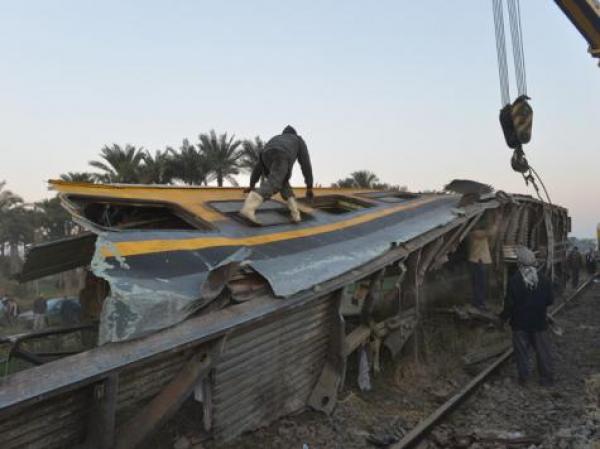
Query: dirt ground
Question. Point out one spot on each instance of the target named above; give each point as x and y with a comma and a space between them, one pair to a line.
564, 416
399, 399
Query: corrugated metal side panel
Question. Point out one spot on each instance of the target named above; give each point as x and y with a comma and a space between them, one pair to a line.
511, 233
522, 237
141, 383
54, 423
269, 370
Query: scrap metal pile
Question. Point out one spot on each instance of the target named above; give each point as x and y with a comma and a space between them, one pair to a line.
253, 322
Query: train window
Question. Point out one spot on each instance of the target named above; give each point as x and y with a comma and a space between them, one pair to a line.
270, 213
335, 204
135, 215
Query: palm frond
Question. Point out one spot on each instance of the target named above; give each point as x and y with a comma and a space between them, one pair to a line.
79, 177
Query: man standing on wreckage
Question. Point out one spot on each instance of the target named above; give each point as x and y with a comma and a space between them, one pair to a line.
275, 164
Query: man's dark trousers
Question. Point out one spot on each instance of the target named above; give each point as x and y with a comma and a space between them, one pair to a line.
479, 280
575, 277
539, 341
277, 174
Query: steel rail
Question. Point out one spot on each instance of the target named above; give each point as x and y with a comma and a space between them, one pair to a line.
425, 426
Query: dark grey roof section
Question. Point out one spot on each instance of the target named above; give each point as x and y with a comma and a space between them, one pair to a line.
292, 273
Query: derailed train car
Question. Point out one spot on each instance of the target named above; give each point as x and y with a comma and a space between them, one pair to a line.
255, 322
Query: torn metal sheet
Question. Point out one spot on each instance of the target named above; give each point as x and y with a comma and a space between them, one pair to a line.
55, 257
138, 304
154, 290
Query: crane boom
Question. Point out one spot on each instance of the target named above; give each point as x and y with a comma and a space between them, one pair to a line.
585, 16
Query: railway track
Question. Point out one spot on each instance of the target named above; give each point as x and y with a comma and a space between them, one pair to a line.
415, 435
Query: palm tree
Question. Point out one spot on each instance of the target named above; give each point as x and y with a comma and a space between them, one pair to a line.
389, 187
157, 169
7, 198
16, 230
52, 220
79, 177
8, 202
222, 154
346, 183
364, 179
250, 153
15, 224
120, 164
188, 165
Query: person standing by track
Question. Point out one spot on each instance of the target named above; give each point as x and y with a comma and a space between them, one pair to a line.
575, 263
480, 262
40, 307
528, 296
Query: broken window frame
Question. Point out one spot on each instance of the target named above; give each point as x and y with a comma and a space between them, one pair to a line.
329, 202
268, 206
77, 204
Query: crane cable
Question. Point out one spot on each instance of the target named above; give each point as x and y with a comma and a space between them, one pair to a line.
514, 14
516, 35
501, 52
519, 162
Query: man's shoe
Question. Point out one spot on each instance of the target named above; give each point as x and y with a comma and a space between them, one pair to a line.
253, 201
294, 212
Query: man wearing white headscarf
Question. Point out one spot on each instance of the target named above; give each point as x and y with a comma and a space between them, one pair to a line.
528, 296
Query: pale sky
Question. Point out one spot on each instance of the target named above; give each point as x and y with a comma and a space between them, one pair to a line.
406, 89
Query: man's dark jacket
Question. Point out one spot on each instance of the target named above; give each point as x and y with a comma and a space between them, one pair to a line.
526, 308
294, 147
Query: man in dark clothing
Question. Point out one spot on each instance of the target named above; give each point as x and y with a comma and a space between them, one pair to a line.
11, 310
40, 307
275, 164
575, 263
527, 298
590, 262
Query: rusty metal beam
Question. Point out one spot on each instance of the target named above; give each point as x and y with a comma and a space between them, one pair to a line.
165, 404
337, 347
454, 240
356, 338
373, 296
324, 395
404, 325
428, 256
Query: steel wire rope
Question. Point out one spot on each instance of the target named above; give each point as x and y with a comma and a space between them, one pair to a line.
522, 50
516, 45
501, 51
539, 178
